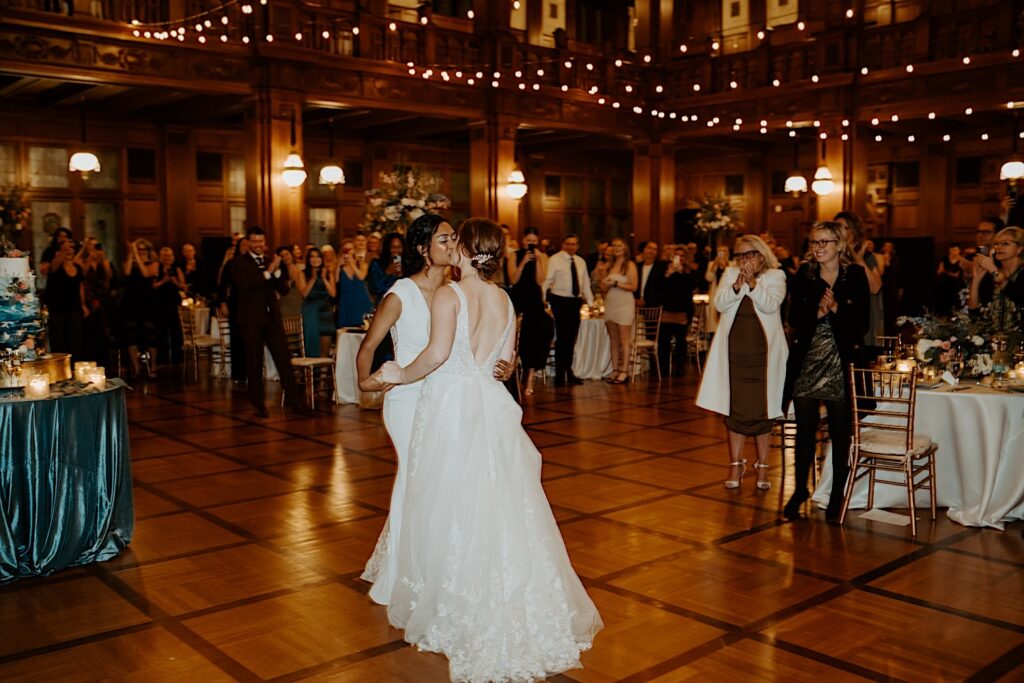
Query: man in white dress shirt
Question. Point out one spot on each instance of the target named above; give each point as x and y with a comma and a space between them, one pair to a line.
567, 285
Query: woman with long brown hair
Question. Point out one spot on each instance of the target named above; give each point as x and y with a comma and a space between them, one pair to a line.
618, 285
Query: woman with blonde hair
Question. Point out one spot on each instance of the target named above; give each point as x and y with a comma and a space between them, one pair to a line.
618, 286
829, 315
746, 369
1005, 280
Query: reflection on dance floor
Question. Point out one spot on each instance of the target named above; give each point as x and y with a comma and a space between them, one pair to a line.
250, 538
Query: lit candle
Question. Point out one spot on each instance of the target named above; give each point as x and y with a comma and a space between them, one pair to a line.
98, 378
905, 365
82, 369
37, 386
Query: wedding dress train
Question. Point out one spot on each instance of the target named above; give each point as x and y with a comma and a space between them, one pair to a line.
483, 574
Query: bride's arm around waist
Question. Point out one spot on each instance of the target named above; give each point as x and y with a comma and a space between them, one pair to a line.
443, 315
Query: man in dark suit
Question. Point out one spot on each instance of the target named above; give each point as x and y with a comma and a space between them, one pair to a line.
650, 276
257, 281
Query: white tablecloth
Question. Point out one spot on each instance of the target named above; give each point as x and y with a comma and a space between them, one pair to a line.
222, 371
201, 320
592, 357
345, 379
979, 465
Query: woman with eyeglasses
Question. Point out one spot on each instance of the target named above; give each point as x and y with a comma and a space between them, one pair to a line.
746, 367
1004, 280
829, 314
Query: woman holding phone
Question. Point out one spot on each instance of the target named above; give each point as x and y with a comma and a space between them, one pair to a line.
353, 297
387, 268
317, 286
526, 273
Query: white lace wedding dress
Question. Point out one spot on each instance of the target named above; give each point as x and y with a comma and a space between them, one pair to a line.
483, 574
409, 336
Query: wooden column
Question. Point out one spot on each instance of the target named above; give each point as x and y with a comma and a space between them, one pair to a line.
492, 157
269, 203
654, 190
535, 21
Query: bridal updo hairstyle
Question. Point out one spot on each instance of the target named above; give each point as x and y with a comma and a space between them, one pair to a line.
417, 242
484, 242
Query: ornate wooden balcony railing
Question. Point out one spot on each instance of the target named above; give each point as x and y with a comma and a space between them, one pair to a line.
296, 29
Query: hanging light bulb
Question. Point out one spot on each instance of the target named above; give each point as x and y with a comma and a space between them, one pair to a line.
84, 162
331, 174
294, 173
516, 188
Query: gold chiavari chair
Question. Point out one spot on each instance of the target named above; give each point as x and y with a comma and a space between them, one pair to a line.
697, 336
193, 343
307, 370
884, 403
645, 339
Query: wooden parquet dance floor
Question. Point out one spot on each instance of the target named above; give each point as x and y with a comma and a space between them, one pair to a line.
250, 537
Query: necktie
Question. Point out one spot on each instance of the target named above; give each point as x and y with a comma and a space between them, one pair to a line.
575, 276
259, 262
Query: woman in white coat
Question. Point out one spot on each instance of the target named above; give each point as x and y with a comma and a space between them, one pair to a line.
746, 368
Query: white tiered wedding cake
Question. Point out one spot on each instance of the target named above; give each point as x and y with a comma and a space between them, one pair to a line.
20, 323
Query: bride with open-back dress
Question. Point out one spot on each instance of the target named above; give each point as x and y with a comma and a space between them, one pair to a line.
483, 573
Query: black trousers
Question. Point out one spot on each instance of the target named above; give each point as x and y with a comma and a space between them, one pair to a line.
237, 351
254, 338
567, 326
807, 417
665, 335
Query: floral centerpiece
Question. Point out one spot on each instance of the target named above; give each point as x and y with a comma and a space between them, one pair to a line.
404, 195
717, 218
974, 337
15, 214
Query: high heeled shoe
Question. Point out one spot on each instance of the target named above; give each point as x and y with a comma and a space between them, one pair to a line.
735, 483
620, 378
762, 484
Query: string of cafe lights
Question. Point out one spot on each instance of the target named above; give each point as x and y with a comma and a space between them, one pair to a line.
209, 22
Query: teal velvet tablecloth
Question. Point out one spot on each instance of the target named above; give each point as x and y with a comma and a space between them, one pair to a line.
65, 481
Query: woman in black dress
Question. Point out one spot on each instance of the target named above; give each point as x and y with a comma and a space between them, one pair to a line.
537, 329
65, 301
829, 315
135, 312
168, 286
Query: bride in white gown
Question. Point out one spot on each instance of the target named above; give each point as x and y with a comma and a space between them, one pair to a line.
405, 312
483, 574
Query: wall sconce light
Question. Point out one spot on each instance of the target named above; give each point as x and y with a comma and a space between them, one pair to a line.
1013, 169
796, 182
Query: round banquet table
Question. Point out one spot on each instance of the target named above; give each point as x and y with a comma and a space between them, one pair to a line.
346, 389
979, 465
65, 481
592, 356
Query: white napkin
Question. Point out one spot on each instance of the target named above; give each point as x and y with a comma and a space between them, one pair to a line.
949, 379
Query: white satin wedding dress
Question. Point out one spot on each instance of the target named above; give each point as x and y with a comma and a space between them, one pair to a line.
409, 335
483, 574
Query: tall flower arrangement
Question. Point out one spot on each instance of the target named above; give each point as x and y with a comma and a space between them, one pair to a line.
403, 196
15, 214
717, 218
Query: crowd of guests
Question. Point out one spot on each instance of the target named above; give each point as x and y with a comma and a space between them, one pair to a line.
756, 370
